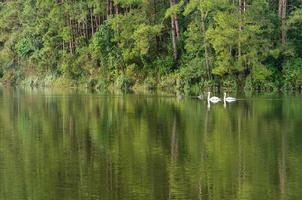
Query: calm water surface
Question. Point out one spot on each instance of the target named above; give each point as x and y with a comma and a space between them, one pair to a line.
72, 146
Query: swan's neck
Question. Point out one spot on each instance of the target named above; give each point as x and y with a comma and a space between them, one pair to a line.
208, 96
224, 96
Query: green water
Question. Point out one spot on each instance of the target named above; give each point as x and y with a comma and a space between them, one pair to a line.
76, 145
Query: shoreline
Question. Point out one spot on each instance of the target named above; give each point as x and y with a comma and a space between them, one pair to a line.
64, 83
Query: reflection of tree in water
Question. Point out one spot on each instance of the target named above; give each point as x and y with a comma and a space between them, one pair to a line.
175, 182
243, 126
147, 148
282, 166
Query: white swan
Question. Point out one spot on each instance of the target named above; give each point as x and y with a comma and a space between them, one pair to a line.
228, 99
213, 99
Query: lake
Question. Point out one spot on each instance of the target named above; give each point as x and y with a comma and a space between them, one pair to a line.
79, 145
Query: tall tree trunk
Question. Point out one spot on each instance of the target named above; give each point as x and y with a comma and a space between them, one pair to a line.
173, 157
86, 29
176, 22
174, 40
91, 21
71, 39
282, 16
116, 9
157, 42
283, 166
174, 28
109, 8
241, 8
205, 46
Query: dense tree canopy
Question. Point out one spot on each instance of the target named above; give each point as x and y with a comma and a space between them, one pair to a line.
185, 44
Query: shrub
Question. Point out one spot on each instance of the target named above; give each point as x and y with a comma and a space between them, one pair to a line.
102, 84
150, 83
195, 89
168, 82
164, 65
124, 83
229, 84
248, 86
292, 74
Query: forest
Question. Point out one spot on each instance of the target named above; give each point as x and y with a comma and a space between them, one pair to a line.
175, 45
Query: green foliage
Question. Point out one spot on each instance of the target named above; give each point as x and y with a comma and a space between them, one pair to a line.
132, 35
26, 46
124, 83
248, 86
229, 84
292, 74
219, 44
174, 9
295, 18
103, 49
164, 65
102, 84
168, 82
192, 69
238, 45
150, 83
260, 72
194, 40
